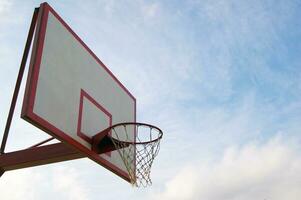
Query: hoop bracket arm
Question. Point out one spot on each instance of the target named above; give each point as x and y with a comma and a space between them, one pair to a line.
37, 156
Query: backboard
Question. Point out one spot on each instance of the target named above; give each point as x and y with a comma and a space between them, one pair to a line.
70, 93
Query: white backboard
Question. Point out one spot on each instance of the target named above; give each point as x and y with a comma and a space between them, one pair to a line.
70, 93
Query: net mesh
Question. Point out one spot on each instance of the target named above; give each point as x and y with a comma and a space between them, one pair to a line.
137, 145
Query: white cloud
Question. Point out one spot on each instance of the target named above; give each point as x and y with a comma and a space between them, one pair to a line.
267, 171
5, 15
67, 183
173, 64
4, 6
61, 182
20, 184
150, 10
10, 15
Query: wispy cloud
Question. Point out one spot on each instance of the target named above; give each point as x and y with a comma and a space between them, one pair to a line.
253, 171
68, 184
211, 74
5, 6
20, 184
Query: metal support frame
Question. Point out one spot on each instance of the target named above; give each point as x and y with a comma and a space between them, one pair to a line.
19, 79
40, 143
36, 154
40, 155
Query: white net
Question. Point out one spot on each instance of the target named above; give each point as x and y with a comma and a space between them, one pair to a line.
137, 144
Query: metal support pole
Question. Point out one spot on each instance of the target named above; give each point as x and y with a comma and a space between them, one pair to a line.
40, 143
38, 156
19, 79
1, 172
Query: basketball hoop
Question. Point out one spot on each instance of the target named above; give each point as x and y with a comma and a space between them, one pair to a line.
137, 144
126, 149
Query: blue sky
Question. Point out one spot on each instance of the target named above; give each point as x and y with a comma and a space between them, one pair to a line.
221, 78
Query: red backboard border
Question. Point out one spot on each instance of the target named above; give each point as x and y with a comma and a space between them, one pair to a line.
31, 86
